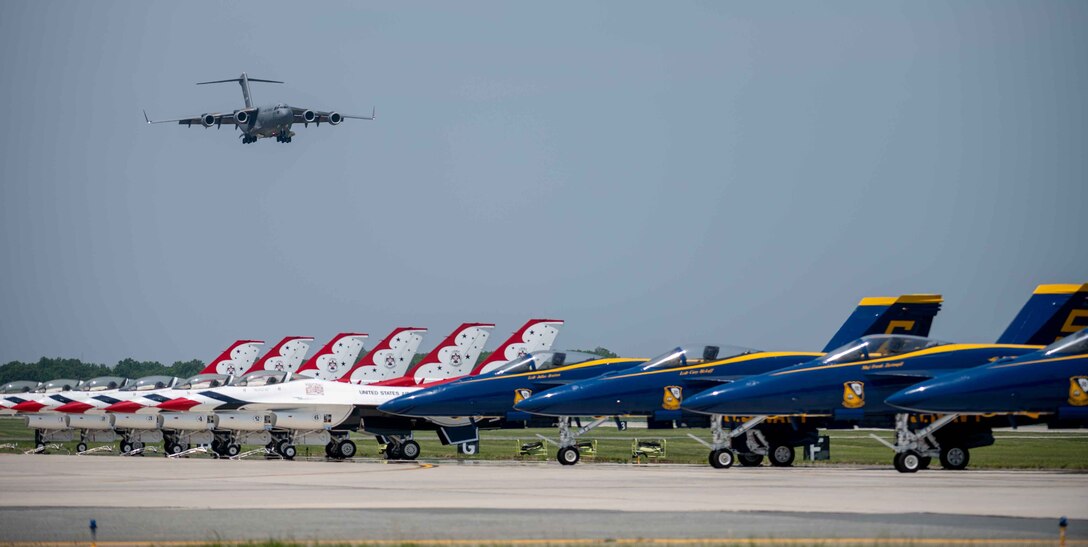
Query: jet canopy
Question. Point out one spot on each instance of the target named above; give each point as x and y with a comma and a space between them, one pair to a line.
878, 346
694, 354
544, 360
22, 386
204, 381
103, 383
261, 378
148, 383
1070, 345
59, 385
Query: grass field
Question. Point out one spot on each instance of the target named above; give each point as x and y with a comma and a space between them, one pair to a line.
1023, 449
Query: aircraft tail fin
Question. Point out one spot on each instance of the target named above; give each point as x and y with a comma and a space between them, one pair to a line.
286, 356
239, 357
243, 81
336, 357
534, 335
389, 359
454, 357
1052, 312
905, 314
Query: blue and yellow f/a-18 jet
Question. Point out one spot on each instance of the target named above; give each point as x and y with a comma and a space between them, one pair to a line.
848, 386
494, 395
1052, 382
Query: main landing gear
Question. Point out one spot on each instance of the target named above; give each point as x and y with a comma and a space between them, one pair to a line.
284, 136
914, 450
400, 447
248, 139
569, 448
340, 448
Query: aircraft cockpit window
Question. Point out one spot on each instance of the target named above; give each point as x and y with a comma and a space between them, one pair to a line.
1070, 345
260, 378
878, 346
694, 354
102, 383
543, 360
24, 386
59, 385
148, 383
203, 381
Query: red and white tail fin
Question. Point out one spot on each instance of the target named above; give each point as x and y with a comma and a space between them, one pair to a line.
455, 356
237, 358
286, 356
389, 359
534, 335
336, 358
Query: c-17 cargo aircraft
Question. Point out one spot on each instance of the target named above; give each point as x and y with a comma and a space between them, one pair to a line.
849, 385
259, 122
656, 389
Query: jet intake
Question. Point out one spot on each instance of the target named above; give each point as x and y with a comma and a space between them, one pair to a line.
207, 120
309, 116
241, 117
335, 118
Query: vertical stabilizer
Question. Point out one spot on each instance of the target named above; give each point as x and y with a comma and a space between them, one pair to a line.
905, 314
1052, 312
454, 357
535, 335
336, 358
286, 356
236, 359
243, 81
389, 359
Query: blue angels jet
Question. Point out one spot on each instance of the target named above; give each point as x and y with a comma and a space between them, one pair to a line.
1052, 382
494, 395
259, 122
848, 386
656, 389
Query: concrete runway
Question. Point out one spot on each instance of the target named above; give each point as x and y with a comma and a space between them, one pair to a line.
51, 498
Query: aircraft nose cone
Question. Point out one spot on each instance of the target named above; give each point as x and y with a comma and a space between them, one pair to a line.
434, 401
126, 407
74, 407
700, 402
400, 405
549, 403
181, 404
28, 406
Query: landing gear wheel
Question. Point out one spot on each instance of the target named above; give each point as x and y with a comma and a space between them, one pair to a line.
782, 455
750, 460
126, 447
721, 458
568, 455
926, 460
955, 457
330, 450
288, 451
233, 450
409, 450
393, 452
176, 448
345, 449
907, 462
81, 447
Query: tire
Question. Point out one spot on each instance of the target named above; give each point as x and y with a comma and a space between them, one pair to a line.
233, 450
345, 449
782, 455
330, 450
409, 450
393, 452
288, 450
955, 458
907, 462
40, 446
81, 447
126, 447
721, 458
568, 455
750, 460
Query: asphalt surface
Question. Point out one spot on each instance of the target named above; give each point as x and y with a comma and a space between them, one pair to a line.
52, 498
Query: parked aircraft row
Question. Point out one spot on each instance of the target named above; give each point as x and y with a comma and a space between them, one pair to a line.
880, 369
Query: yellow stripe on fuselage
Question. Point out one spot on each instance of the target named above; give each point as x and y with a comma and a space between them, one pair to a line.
730, 361
902, 299
1038, 361
947, 348
583, 364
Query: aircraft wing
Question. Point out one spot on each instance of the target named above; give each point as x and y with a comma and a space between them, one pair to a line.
218, 118
308, 116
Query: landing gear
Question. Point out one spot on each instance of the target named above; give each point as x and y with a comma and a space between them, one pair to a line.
955, 457
722, 458
332, 450
287, 450
749, 460
907, 462
248, 139
782, 455
346, 449
81, 447
126, 447
175, 448
283, 136
568, 455
409, 450
400, 447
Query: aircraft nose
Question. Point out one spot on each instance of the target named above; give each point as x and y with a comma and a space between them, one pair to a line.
426, 402
700, 402
554, 402
74, 407
181, 404
28, 406
125, 407
400, 405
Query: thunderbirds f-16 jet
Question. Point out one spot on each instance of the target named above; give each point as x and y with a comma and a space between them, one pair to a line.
260, 122
849, 385
655, 389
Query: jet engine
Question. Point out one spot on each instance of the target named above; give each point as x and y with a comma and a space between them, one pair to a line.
335, 118
241, 117
308, 116
207, 120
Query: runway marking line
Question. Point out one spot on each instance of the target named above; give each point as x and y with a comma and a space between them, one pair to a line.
602, 541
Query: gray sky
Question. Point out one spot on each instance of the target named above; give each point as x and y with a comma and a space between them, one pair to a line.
653, 173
